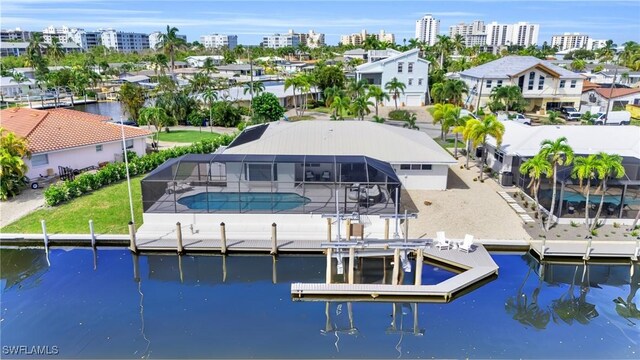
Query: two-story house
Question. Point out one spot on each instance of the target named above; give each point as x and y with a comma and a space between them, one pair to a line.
407, 67
544, 86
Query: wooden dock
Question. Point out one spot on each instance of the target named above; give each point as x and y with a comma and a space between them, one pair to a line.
586, 249
475, 266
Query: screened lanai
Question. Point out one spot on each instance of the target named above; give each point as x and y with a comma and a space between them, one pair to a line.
296, 184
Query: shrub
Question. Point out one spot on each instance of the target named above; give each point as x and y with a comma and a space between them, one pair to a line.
616, 225
574, 224
635, 233
114, 172
398, 115
594, 232
266, 107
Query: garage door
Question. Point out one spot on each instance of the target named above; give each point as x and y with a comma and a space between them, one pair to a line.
414, 100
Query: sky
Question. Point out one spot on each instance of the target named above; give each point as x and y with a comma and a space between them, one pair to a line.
250, 20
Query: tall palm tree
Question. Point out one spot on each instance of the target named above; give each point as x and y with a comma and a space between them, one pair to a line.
395, 87
339, 105
608, 51
209, 96
170, 43
585, 168
452, 119
458, 44
160, 63
558, 153
54, 50
443, 47
156, 116
479, 131
360, 107
438, 113
378, 95
610, 167
535, 168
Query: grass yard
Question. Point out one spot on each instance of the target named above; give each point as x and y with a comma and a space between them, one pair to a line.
107, 207
187, 136
299, 118
635, 122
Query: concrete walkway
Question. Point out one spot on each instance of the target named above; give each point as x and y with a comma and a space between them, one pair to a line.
28, 201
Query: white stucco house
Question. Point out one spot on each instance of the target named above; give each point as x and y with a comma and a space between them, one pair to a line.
69, 138
9, 87
619, 97
407, 67
198, 61
544, 86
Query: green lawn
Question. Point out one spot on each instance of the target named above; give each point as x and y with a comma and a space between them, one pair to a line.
299, 118
107, 207
187, 136
635, 122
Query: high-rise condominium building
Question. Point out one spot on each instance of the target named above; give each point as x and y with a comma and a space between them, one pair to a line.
521, 34
276, 41
569, 41
427, 28
217, 41
474, 34
16, 34
314, 39
85, 39
124, 41
358, 39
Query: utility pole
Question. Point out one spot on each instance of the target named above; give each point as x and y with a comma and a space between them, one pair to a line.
251, 79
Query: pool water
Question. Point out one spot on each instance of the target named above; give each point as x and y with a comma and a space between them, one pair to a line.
243, 201
112, 304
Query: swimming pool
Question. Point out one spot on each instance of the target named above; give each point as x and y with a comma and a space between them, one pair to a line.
165, 306
235, 201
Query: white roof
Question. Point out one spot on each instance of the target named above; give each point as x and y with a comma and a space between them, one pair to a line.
205, 57
524, 140
8, 81
323, 137
509, 66
237, 92
377, 66
135, 78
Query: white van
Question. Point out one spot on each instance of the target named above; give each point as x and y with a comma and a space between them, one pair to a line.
513, 116
614, 118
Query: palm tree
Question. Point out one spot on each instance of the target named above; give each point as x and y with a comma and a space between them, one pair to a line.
159, 63
13, 150
208, 67
458, 43
294, 83
452, 119
410, 121
360, 107
509, 95
608, 51
453, 90
357, 88
19, 78
478, 132
395, 87
578, 65
209, 96
339, 105
535, 168
156, 116
170, 43
437, 93
258, 87
585, 169
610, 166
438, 113
443, 47
558, 153
330, 93
54, 50
378, 95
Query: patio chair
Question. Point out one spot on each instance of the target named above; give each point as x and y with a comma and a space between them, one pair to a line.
441, 241
467, 243
309, 175
326, 175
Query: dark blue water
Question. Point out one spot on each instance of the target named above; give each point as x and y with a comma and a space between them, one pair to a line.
244, 201
112, 109
203, 311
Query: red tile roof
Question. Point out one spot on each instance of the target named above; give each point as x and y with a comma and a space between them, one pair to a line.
588, 85
57, 129
606, 92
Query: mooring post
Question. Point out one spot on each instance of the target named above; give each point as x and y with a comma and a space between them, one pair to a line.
132, 238
93, 235
274, 270
328, 273
386, 229
348, 229
328, 229
419, 264
180, 248
223, 239
396, 266
406, 227
587, 254
352, 259
543, 248
45, 237
274, 239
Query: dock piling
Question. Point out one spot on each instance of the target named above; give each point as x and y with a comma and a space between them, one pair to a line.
93, 235
396, 266
180, 248
587, 254
419, 264
348, 229
352, 253
223, 239
386, 229
406, 227
45, 237
132, 238
328, 229
328, 272
274, 239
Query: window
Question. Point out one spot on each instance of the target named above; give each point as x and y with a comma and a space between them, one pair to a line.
129, 144
410, 67
489, 83
415, 166
498, 155
562, 83
400, 67
98, 148
259, 172
410, 81
420, 81
405, 167
39, 160
499, 83
532, 77
541, 83
426, 166
573, 84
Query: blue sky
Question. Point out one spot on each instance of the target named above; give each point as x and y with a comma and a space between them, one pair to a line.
604, 19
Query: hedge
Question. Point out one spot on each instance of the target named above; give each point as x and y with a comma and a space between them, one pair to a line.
114, 172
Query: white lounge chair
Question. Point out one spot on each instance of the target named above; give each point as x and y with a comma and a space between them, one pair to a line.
467, 243
441, 241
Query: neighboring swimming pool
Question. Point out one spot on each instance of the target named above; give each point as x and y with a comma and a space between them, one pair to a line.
162, 306
234, 201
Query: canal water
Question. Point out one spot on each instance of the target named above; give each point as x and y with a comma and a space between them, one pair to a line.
112, 109
112, 304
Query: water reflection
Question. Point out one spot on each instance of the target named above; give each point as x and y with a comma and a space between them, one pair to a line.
525, 312
569, 307
136, 278
22, 267
628, 309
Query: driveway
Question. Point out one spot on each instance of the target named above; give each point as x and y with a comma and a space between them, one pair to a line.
21, 205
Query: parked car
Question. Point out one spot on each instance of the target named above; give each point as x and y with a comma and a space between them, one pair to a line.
126, 122
567, 109
570, 113
514, 116
614, 118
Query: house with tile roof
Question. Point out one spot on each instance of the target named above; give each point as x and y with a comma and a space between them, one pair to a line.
619, 97
70, 138
544, 86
